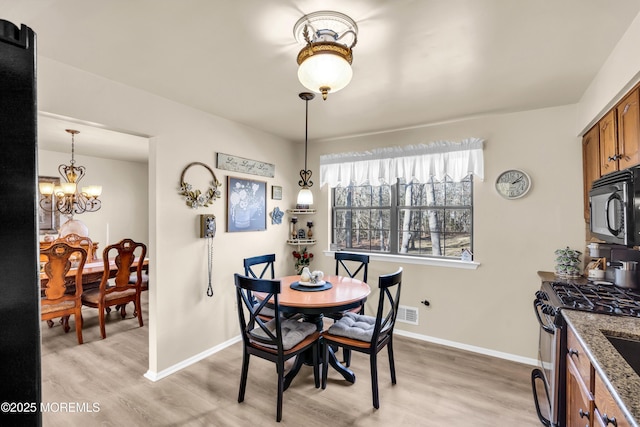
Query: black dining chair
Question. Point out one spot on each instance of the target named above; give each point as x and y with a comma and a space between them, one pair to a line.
262, 264
276, 340
266, 262
367, 334
353, 264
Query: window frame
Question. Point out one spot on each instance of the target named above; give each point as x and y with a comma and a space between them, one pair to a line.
395, 233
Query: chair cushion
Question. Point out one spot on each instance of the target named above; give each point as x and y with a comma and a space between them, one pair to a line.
50, 308
267, 311
93, 296
293, 332
356, 326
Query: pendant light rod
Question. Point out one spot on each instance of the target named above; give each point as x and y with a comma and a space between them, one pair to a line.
305, 174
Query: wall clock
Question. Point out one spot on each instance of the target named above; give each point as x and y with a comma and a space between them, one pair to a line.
513, 184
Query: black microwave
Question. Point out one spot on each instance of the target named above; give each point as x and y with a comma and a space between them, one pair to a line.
614, 203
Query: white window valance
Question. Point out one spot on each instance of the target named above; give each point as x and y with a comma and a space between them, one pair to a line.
437, 159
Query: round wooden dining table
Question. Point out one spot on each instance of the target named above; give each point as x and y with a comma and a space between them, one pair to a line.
343, 294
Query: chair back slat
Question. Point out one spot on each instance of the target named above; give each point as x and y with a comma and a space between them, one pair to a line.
355, 263
126, 253
388, 304
57, 266
267, 260
77, 241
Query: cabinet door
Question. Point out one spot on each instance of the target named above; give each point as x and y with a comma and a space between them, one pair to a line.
579, 402
590, 163
608, 143
608, 412
628, 112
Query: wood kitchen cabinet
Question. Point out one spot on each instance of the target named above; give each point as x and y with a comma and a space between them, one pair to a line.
608, 143
606, 412
589, 402
620, 135
580, 403
628, 125
579, 400
590, 163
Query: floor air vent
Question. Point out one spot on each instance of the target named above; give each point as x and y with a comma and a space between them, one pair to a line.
407, 314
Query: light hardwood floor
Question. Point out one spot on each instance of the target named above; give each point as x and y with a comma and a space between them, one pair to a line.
436, 386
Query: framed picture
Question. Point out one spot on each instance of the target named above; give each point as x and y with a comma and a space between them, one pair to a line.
246, 205
48, 222
276, 192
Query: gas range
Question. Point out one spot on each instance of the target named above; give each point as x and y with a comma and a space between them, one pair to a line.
548, 381
594, 297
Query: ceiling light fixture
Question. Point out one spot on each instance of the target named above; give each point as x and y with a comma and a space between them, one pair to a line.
305, 196
65, 197
325, 61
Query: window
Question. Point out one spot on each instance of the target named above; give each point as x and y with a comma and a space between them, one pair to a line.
432, 219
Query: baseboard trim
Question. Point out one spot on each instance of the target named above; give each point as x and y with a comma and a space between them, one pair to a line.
472, 348
157, 376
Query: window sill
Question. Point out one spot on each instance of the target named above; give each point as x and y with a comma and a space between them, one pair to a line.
436, 262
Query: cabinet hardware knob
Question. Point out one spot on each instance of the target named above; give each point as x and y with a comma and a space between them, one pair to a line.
583, 414
573, 352
606, 420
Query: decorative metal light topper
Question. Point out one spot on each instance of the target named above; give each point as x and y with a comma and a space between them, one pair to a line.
195, 198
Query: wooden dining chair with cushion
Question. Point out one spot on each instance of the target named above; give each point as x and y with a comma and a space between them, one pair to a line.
144, 285
118, 291
276, 340
262, 264
367, 334
352, 264
56, 301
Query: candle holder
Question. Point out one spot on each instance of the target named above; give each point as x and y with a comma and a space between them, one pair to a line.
294, 232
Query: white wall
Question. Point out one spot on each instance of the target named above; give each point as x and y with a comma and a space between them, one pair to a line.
183, 321
491, 307
125, 196
619, 73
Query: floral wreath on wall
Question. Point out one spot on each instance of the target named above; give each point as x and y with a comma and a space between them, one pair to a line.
195, 198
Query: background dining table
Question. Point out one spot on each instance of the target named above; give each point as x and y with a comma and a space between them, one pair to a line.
314, 302
91, 274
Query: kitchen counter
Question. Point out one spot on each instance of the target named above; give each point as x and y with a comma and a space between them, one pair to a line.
621, 380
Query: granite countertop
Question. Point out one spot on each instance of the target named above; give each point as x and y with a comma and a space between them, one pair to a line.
621, 380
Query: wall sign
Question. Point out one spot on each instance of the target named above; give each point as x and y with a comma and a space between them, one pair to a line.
240, 164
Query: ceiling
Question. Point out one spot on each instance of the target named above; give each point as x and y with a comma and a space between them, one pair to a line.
416, 62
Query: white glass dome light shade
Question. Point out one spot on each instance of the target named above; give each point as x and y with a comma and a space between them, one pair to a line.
305, 196
325, 70
74, 226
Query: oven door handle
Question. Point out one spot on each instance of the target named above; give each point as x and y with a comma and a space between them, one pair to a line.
537, 374
547, 328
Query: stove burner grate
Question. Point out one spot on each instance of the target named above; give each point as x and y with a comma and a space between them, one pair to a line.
598, 298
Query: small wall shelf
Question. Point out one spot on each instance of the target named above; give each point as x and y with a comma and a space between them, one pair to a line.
301, 211
298, 242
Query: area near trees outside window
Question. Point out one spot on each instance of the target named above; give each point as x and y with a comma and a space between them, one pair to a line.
432, 219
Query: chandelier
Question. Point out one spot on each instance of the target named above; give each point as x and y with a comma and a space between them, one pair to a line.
325, 61
305, 196
66, 197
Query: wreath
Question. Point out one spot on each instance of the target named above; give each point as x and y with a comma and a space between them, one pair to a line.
195, 198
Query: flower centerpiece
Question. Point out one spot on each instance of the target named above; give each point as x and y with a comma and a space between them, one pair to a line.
303, 259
